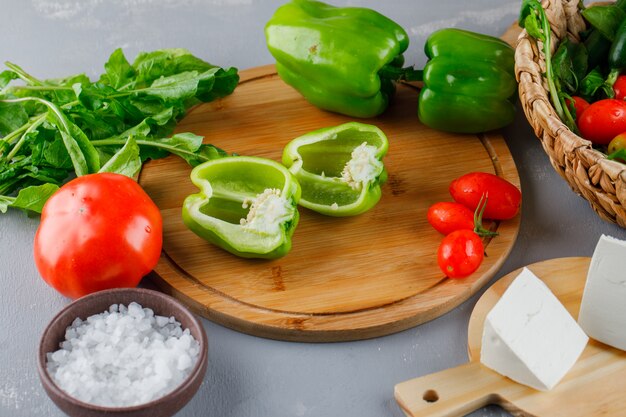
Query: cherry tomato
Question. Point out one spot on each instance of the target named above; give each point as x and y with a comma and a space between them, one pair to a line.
460, 253
98, 231
446, 217
603, 120
580, 105
620, 87
617, 143
503, 198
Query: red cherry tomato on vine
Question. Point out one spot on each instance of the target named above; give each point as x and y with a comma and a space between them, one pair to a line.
446, 217
503, 198
460, 253
620, 87
580, 105
603, 120
98, 231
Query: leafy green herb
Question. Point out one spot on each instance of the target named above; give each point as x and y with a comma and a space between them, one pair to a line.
593, 87
52, 129
30, 198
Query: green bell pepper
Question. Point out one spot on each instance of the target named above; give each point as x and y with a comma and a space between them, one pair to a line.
468, 82
336, 57
339, 168
246, 205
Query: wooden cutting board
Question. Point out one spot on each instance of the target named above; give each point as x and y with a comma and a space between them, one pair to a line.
595, 386
345, 278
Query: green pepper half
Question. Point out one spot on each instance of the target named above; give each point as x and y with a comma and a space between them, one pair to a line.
246, 205
336, 56
339, 168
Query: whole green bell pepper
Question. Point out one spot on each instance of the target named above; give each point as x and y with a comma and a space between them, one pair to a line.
468, 82
246, 205
339, 168
336, 57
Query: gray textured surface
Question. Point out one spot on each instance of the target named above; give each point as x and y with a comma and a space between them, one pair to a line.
249, 376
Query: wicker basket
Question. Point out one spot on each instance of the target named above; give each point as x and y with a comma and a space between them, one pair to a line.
599, 180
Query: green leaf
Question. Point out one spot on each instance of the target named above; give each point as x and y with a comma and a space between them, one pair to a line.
150, 66
178, 87
82, 153
221, 85
55, 154
93, 96
529, 19
605, 18
126, 161
6, 77
570, 64
593, 87
619, 155
12, 117
119, 73
29, 199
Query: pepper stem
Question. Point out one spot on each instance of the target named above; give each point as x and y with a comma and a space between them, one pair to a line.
478, 219
394, 73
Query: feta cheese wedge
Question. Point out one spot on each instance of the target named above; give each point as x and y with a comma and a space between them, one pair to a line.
529, 336
603, 308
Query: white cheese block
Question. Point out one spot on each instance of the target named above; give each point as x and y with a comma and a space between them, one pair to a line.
603, 308
529, 336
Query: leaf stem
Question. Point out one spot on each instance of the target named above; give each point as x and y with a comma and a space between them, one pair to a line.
23, 74
169, 148
24, 136
561, 110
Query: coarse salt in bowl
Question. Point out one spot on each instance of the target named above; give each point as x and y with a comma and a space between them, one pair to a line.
128, 337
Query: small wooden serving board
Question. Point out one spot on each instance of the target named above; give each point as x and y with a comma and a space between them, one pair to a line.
345, 278
595, 386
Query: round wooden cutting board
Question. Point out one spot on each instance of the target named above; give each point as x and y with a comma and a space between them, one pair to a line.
594, 386
345, 278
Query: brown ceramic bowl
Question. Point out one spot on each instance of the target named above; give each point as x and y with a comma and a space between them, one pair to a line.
96, 303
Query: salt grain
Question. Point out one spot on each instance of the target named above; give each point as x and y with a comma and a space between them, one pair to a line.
123, 357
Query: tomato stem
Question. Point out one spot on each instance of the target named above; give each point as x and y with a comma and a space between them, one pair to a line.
478, 218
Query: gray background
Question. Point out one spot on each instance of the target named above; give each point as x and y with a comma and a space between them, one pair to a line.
249, 376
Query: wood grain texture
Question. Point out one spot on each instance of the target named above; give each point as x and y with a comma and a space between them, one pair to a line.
345, 278
593, 387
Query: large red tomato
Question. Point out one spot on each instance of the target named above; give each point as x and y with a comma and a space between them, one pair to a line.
98, 231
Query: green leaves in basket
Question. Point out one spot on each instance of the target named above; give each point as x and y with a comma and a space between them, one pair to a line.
533, 18
604, 18
51, 130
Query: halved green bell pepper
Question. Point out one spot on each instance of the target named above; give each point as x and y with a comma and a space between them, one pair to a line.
468, 82
335, 57
339, 168
246, 205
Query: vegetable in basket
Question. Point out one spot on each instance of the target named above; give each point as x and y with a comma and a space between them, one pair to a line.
346, 60
339, 168
246, 205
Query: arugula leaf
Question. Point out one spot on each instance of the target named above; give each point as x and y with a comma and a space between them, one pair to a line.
53, 129
29, 199
119, 73
126, 161
12, 117
6, 77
